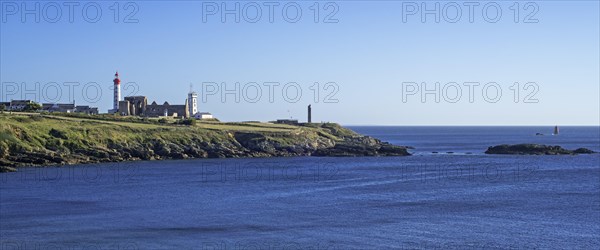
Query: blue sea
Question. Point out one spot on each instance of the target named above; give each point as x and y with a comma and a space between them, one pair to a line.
457, 198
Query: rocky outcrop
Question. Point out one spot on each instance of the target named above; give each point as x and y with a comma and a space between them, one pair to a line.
362, 146
534, 149
583, 151
71, 144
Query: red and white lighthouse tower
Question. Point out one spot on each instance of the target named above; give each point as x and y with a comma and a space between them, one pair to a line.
117, 89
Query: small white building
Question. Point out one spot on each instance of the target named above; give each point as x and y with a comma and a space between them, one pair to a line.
203, 115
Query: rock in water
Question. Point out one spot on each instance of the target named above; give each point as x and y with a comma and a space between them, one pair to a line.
583, 151
534, 149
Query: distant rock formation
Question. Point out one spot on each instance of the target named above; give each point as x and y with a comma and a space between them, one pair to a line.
583, 151
534, 149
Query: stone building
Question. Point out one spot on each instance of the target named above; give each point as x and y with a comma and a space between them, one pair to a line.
133, 105
17, 105
286, 121
59, 107
86, 110
166, 109
138, 106
68, 108
4, 105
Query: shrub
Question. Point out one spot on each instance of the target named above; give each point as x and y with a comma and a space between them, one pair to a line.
37, 118
188, 122
30, 107
58, 134
54, 144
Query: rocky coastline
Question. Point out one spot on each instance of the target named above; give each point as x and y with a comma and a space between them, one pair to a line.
51, 141
46, 140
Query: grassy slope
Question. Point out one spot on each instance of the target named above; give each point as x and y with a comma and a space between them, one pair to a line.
67, 136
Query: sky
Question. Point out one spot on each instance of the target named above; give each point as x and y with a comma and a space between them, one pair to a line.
355, 62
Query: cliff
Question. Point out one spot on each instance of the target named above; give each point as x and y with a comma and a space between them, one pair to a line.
44, 140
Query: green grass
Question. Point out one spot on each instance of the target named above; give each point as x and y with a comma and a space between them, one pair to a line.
65, 134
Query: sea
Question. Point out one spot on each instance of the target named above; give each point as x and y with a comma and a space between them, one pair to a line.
447, 195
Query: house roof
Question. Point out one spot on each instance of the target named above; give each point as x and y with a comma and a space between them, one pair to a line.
16, 102
58, 106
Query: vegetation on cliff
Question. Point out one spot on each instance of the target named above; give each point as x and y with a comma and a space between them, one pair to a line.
44, 139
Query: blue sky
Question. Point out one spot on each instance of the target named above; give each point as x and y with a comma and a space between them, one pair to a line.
368, 54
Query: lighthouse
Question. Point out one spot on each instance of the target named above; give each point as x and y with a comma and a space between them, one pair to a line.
117, 90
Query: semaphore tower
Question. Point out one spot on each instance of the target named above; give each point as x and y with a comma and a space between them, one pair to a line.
192, 101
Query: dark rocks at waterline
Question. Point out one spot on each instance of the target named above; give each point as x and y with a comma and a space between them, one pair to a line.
363, 146
583, 151
534, 149
242, 145
5, 169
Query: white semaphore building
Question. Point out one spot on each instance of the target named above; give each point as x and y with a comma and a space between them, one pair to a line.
193, 106
192, 102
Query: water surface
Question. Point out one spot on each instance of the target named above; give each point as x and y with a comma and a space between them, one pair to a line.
463, 199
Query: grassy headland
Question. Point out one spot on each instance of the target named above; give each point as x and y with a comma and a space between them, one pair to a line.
29, 139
